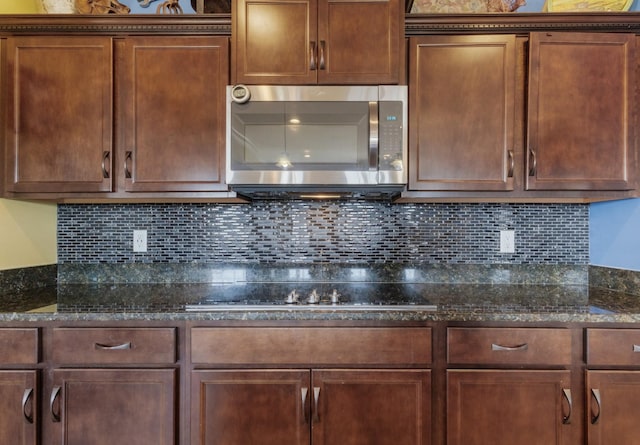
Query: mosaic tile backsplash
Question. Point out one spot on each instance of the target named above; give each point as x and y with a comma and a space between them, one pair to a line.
283, 232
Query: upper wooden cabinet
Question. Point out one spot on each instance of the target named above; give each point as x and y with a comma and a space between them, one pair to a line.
582, 89
172, 108
99, 117
462, 112
489, 122
58, 128
317, 41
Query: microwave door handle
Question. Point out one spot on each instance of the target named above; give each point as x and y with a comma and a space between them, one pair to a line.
373, 136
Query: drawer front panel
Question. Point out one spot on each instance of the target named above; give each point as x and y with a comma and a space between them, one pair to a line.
613, 347
101, 346
311, 346
19, 346
509, 346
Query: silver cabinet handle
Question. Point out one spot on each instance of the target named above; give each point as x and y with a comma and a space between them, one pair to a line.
322, 48
566, 420
105, 161
55, 392
312, 56
127, 169
303, 393
511, 164
26, 398
595, 393
522, 347
316, 397
533, 166
119, 347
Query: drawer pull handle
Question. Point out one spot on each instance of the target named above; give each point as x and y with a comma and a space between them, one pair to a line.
105, 347
566, 420
636, 348
595, 393
303, 392
316, 397
55, 416
26, 398
522, 347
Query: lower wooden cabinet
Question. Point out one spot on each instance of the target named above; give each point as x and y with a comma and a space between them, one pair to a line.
526, 397
612, 409
613, 390
19, 386
298, 407
19, 407
250, 407
113, 406
506, 407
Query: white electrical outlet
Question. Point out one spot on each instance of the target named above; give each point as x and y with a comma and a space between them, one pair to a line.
139, 240
507, 241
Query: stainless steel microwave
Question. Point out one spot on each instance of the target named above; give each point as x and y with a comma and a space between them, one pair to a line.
316, 138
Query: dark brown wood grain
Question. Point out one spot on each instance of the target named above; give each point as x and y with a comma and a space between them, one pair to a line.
505, 407
317, 41
462, 111
389, 347
582, 103
19, 424
19, 346
107, 406
171, 113
504, 346
58, 135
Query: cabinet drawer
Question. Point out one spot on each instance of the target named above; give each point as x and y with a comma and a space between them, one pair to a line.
613, 347
114, 345
19, 346
509, 346
311, 346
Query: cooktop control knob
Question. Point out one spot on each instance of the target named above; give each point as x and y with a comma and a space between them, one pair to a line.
314, 298
292, 298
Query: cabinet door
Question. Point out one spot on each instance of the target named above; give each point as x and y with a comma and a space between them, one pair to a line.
581, 111
274, 41
362, 407
250, 407
18, 407
359, 41
59, 114
508, 407
171, 99
462, 107
117, 406
612, 410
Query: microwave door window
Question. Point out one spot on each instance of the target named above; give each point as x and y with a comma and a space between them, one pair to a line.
300, 136
257, 137
328, 135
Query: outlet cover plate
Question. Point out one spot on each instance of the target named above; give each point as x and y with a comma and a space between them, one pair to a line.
507, 241
139, 240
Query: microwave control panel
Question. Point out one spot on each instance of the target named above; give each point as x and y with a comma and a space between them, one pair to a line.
391, 131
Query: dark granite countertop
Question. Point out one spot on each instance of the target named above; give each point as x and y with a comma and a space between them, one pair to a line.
380, 301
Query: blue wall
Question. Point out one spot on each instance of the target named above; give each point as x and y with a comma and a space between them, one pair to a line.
536, 6
614, 234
